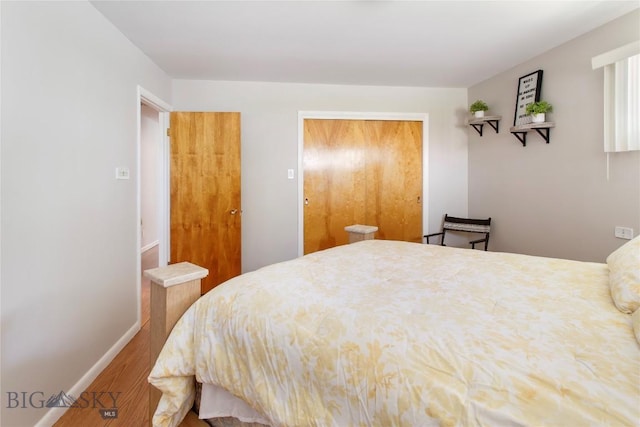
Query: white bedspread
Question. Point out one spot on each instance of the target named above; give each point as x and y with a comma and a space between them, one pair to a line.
384, 333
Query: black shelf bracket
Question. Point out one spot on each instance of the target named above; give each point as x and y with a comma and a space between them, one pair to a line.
544, 133
494, 123
478, 127
522, 137
542, 129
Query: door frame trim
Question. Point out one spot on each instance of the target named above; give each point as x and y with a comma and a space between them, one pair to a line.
351, 115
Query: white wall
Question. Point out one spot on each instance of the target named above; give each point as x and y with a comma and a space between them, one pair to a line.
555, 200
269, 114
69, 108
150, 158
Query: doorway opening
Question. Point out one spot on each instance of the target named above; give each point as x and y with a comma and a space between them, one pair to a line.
152, 192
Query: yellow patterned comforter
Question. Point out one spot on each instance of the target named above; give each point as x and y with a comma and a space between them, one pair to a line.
385, 333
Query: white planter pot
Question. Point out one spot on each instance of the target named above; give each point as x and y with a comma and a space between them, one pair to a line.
538, 118
479, 114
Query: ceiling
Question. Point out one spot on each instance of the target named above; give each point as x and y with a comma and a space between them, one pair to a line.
366, 42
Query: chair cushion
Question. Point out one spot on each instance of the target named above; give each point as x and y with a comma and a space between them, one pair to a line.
624, 276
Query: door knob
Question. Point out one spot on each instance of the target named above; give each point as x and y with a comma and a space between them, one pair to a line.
306, 200
233, 211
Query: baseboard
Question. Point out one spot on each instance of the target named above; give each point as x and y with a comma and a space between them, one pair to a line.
149, 246
54, 414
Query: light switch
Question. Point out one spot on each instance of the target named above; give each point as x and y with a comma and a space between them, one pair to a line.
290, 173
122, 173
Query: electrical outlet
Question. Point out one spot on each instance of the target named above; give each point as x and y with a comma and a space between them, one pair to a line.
624, 233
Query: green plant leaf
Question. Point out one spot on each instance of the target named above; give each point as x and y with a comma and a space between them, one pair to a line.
478, 105
539, 107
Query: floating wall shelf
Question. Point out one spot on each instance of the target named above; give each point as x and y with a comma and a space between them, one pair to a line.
493, 121
543, 130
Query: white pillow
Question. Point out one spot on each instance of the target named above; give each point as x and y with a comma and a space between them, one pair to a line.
624, 276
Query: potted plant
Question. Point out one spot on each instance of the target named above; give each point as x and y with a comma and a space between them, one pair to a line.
538, 111
478, 108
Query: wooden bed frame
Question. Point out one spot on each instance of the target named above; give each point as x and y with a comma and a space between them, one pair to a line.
176, 287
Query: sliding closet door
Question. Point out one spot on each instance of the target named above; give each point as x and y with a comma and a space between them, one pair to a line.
394, 179
334, 181
361, 172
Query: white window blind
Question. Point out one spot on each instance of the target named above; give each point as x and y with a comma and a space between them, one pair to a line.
621, 97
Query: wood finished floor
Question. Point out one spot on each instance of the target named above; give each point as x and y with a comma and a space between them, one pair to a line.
127, 374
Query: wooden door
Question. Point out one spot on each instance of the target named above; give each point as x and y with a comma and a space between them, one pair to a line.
205, 193
394, 179
334, 179
361, 172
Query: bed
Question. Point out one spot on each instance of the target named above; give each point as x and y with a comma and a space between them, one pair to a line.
387, 333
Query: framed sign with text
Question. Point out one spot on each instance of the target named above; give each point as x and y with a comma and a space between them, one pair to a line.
529, 88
